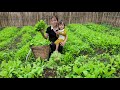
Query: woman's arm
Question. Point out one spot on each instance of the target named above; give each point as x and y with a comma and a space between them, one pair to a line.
66, 39
45, 35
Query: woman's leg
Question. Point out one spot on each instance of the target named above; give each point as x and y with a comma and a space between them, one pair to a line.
60, 48
52, 47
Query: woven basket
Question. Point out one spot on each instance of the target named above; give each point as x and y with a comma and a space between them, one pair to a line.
41, 51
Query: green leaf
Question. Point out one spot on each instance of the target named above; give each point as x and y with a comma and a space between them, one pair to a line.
85, 73
78, 70
4, 73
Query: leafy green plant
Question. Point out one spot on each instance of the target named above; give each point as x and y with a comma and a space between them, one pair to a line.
88, 53
40, 25
96, 27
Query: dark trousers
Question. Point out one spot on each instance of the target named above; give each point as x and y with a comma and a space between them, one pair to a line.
53, 47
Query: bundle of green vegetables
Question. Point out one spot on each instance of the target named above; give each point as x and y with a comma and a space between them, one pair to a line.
40, 25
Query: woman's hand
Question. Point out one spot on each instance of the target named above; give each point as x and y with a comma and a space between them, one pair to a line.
57, 33
42, 31
44, 35
62, 43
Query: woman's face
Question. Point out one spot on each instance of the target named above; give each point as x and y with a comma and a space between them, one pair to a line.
54, 22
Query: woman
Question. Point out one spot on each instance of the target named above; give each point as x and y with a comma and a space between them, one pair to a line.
51, 33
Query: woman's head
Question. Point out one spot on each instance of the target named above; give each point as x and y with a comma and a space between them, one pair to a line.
61, 25
54, 21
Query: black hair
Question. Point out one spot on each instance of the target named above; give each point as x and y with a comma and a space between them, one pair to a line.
55, 17
61, 22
